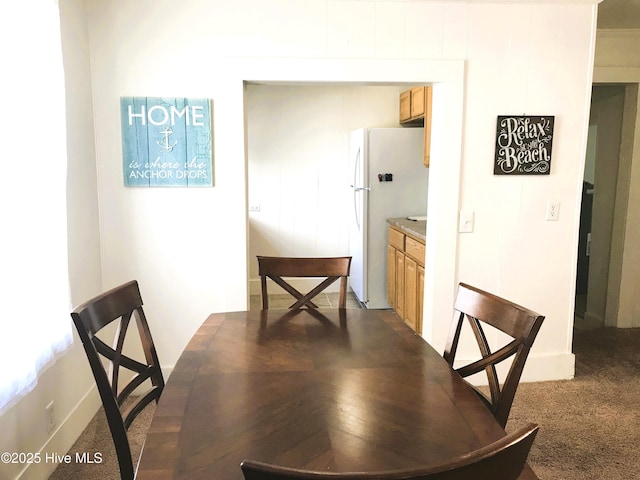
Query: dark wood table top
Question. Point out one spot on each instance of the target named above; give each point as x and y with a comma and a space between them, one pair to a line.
355, 390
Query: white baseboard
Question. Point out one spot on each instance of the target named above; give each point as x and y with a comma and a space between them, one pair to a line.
539, 368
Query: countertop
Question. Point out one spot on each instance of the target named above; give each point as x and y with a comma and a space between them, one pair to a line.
414, 228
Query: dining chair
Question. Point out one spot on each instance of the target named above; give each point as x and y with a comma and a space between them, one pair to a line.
520, 324
275, 268
503, 459
121, 405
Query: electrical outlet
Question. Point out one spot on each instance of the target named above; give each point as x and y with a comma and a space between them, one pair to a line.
254, 208
50, 416
553, 211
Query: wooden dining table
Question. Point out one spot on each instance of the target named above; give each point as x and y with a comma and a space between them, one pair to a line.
328, 390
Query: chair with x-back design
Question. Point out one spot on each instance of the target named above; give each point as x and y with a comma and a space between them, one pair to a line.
120, 406
503, 459
519, 323
275, 268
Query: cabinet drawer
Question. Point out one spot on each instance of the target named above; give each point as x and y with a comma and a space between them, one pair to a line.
396, 238
415, 249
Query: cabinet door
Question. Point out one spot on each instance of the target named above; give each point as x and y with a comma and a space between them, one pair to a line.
420, 299
400, 287
417, 102
405, 106
391, 276
410, 292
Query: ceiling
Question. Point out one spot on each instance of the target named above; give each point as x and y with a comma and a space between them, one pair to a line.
618, 14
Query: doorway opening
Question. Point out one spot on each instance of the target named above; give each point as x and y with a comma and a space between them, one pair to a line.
604, 206
447, 80
298, 181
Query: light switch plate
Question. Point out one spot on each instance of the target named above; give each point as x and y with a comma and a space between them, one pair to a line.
466, 221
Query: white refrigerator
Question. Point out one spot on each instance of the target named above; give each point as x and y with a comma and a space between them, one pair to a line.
388, 180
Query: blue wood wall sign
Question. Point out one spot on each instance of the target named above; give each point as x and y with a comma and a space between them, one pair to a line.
167, 142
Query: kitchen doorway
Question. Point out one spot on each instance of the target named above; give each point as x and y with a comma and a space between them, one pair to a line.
447, 80
300, 203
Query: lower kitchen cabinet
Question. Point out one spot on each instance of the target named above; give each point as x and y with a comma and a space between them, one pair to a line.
400, 284
405, 277
420, 299
411, 293
391, 276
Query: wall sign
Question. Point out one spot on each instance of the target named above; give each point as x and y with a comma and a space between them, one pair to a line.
523, 145
167, 142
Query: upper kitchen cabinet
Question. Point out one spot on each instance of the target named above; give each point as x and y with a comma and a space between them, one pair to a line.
405, 106
415, 110
412, 106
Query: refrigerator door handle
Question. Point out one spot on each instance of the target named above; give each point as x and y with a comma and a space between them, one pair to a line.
355, 169
357, 189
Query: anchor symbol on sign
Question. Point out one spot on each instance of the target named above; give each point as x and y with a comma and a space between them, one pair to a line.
166, 132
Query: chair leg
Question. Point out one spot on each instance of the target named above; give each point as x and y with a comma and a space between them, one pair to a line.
265, 296
343, 293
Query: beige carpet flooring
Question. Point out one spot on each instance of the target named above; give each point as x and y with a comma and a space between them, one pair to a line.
589, 426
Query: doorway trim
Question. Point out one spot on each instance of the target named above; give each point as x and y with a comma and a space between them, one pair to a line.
447, 78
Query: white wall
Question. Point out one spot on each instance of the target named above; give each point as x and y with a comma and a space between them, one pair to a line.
68, 382
514, 251
297, 139
188, 247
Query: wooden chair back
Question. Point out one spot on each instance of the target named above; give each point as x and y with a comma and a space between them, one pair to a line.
519, 323
332, 268
119, 304
501, 460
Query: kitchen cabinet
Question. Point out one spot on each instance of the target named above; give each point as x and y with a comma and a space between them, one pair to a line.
391, 276
405, 277
420, 298
405, 106
411, 292
400, 284
412, 105
415, 110
417, 102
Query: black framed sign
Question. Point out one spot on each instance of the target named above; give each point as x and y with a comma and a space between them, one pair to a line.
523, 145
